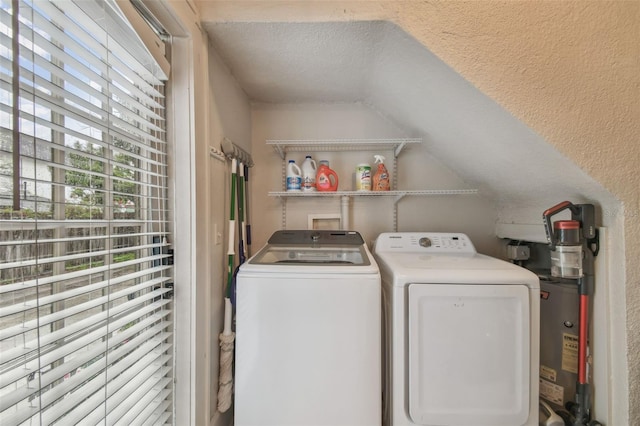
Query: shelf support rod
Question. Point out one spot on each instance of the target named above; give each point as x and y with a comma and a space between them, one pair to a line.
395, 217
394, 186
283, 200
395, 211
284, 212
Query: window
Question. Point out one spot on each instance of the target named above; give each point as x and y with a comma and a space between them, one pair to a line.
86, 317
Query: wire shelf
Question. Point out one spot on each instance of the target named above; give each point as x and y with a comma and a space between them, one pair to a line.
282, 147
396, 194
332, 145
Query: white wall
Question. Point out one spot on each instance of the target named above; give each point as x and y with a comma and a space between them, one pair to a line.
569, 83
209, 105
370, 216
206, 105
229, 117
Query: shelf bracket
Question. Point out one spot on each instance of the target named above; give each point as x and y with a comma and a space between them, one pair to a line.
397, 198
399, 148
281, 151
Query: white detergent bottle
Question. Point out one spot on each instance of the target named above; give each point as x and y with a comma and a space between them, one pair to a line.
294, 176
309, 171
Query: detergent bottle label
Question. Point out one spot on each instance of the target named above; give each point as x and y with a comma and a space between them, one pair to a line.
363, 177
294, 177
293, 183
309, 183
327, 179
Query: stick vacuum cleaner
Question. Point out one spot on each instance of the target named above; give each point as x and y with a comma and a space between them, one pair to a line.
574, 244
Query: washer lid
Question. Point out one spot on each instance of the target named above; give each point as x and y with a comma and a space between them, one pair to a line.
296, 255
316, 237
313, 247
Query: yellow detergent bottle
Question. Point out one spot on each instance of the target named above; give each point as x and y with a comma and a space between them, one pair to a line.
381, 180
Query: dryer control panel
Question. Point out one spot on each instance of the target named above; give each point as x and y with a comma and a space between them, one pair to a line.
424, 242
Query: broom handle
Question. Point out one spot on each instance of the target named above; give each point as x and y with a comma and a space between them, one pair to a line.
241, 249
247, 225
244, 210
232, 224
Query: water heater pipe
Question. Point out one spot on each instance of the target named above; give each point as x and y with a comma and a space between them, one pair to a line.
344, 212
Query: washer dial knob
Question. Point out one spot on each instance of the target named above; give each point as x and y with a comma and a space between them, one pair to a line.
424, 242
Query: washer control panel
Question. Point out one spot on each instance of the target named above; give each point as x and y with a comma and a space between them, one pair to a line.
424, 242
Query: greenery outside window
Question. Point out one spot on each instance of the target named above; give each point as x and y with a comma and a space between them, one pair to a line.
86, 276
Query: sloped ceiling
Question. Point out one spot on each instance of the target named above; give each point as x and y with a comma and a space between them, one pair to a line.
378, 64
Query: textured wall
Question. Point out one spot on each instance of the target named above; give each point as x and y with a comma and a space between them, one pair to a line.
569, 70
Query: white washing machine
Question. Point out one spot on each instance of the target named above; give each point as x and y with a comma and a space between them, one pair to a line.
461, 335
308, 332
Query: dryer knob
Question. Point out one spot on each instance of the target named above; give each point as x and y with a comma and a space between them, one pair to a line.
424, 242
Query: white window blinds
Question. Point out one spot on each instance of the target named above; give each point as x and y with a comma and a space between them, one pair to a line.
85, 269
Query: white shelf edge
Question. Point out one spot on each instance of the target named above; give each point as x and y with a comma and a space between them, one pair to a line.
373, 193
341, 141
282, 146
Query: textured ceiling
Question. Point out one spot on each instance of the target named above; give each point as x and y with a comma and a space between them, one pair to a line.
380, 65
299, 62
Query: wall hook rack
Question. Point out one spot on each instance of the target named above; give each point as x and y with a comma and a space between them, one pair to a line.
231, 150
217, 154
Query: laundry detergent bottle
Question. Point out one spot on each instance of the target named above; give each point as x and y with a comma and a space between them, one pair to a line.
309, 172
294, 176
381, 179
326, 179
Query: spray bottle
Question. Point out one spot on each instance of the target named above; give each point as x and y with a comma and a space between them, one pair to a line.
381, 180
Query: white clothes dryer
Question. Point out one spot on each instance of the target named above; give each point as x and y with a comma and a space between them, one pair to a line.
461, 334
308, 332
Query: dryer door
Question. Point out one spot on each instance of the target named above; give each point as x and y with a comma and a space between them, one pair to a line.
469, 352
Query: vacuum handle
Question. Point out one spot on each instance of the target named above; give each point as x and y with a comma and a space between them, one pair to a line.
588, 221
546, 216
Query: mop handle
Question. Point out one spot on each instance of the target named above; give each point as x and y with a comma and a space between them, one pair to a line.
247, 225
232, 222
228, 310
243, 218
232, 230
